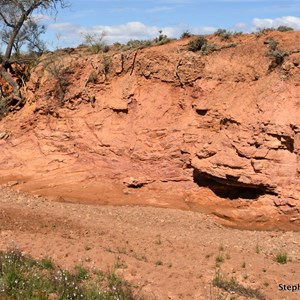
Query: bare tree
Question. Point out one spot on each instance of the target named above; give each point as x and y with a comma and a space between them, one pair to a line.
18, 28
29, 35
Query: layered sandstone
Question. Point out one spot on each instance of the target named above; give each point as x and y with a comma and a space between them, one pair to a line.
227, 122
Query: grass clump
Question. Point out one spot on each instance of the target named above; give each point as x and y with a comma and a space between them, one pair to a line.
81, 273
159, 263
219, 259
281, 257
232, 286
46, 263
257, 249
22, 277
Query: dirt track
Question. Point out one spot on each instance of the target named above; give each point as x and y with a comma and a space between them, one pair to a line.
165, 253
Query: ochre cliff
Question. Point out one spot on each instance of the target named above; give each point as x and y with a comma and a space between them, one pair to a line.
165, 126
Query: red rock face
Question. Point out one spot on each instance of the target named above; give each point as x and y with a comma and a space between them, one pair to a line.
217, 132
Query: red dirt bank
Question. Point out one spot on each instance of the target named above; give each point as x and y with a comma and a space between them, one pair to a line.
164, 127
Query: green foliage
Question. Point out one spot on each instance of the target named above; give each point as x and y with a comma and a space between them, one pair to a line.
272, 43
161, 39
232, 286
186, 34
277, 57
133, 44
225, 34
46, 263
140, 44
219, 258
197, 43
81, 273
60, 74
284, 28
261, 31
281, 257
257, 249
106, 65
95, 42
209, 48
22, 277
119, 288
159, 263
201, 44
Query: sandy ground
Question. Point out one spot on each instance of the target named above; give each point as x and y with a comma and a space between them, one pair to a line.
164, 253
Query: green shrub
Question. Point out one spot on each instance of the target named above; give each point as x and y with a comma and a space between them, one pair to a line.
133, 44
161, 39
209, 48
284, 28
197, 43
225, 34
186, 34
95, 42
261, 31
278, 57
272, 43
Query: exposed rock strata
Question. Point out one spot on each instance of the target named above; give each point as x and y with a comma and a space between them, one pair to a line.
164, 114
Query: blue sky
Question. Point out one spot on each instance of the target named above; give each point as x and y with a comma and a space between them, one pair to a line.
141, 19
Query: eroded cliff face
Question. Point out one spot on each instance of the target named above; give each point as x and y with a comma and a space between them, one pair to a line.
219, 131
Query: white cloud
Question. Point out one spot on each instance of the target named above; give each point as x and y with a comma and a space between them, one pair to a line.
42, 18
131, 30
290, 21
240, 26
203, 30
160, 9
72, 34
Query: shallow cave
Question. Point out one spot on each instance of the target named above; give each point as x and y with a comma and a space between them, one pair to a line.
135, 185
228, 188
201, 112
120, 110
